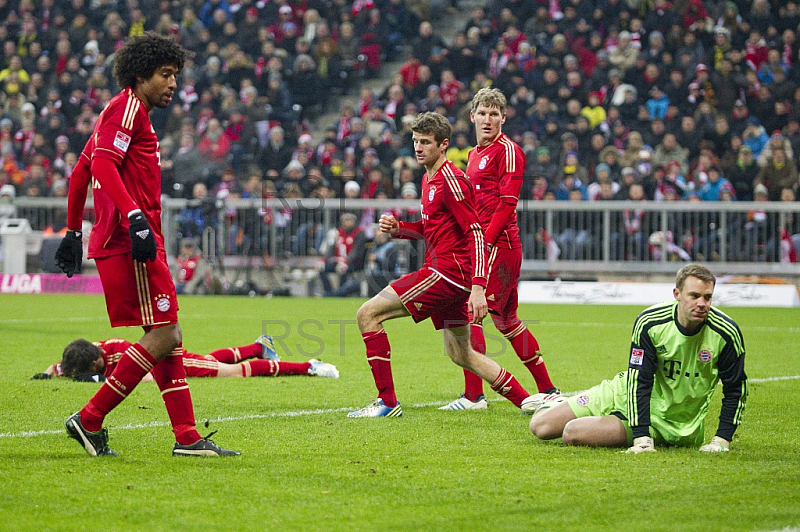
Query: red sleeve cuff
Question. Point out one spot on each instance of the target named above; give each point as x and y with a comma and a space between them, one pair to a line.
480, 281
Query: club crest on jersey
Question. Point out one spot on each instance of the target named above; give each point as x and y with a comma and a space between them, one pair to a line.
484, 162
162, 302
122, 141
431, 192
704, 355
637, 355
583, 400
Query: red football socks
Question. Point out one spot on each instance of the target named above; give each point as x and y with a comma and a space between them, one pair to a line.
170, 376
473, 385
506, 385
134, 364
527, 349
270, 368
378, 355
234, 355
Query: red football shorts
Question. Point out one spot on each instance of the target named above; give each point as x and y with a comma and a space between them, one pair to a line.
501, 287
138, 293
199, 365
426, 294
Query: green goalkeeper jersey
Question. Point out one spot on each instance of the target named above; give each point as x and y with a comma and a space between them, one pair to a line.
672, 374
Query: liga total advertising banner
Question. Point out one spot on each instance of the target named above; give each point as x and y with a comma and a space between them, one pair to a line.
49, 283
731, 295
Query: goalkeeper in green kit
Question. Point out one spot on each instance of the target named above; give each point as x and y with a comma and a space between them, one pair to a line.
679, 351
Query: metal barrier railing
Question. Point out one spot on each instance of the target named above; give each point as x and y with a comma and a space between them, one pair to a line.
748, 237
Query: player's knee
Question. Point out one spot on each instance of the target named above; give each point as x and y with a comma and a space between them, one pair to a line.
571, 434
171, 336
542, 428
461, 357
364, 316
537, 427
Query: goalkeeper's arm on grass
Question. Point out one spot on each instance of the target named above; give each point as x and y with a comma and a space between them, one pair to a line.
734, 394
640, 377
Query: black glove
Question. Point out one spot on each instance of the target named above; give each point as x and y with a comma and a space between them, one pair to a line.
41, 376
143, 243
69, 255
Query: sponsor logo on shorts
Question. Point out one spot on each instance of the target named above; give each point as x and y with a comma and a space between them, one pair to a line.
122, 141
704, 355
417, 305
583, 400
637, 355
163, 304
484, 162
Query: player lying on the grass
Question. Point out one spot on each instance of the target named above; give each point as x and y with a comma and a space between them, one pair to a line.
450, 283
83, 360
679, 351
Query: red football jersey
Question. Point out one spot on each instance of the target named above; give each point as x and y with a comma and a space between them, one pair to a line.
449, 221
112, 349
496, 171
125, 135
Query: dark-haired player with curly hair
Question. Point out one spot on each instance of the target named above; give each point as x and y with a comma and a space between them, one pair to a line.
122, 162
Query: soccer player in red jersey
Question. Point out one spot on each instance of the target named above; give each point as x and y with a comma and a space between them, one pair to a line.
122, 162
84, 360
495, 168
453, 274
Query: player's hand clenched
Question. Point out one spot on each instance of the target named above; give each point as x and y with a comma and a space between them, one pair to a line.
69, 255
389, 224
143, 243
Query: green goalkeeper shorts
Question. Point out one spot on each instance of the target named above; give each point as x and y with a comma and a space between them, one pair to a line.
610, 398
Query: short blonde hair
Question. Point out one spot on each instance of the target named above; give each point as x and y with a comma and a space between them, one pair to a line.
490, 98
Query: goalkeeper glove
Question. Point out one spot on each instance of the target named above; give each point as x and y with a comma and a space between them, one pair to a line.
643, 444
717, 445
69, 255
143, 243
42, 376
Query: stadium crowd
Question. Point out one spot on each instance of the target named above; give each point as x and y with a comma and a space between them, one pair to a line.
695, 100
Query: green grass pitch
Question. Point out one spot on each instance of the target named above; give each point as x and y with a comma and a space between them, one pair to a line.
306, 466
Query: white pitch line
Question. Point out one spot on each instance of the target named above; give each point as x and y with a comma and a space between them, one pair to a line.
628, 325
33, 433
